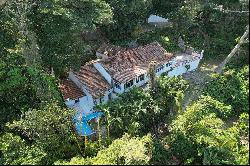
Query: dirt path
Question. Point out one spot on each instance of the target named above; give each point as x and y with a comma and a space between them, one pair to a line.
197, 80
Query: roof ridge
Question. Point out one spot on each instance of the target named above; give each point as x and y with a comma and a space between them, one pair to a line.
92, 79
136, 57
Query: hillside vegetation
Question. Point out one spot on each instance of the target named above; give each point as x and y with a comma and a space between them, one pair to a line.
200, 118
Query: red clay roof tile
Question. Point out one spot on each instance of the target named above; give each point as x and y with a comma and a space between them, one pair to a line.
70, 90
94, 82
126, 65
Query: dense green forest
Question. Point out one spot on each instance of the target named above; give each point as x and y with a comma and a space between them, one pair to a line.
41, 40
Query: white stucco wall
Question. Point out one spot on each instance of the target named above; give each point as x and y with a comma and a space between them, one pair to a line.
194, 65
127, 89
140, 83
114, 96
180, 62
177, 71
117, 90
169, 67
70, 103
160, 72
84, 105
105, 98
101, 56
146, 78
163, 70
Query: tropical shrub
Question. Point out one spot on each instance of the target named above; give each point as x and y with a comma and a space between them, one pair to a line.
198, 136
15, 151
124, 151
131, 112
170, 92
128, 15
50, 129
138, 112
23, 87
231, 88
206, 105
160, 155
243, 124
166, 37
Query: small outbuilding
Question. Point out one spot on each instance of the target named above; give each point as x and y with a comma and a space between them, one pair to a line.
157, 20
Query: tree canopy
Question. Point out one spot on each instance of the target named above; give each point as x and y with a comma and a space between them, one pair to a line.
42, 40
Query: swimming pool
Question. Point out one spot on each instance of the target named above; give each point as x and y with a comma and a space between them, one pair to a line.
82, 127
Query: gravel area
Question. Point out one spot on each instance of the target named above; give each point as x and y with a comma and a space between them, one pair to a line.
197, 80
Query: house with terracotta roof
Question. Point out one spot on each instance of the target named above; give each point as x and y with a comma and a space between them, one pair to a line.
129, 68
121, 69
85, 89
73, 95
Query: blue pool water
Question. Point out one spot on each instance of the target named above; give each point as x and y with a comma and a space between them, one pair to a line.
83, 129
92, 116
82, 126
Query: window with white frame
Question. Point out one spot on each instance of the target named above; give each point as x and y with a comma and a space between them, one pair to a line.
160, 68
141, 77
129, 84
168, 64
137, 80
77, 101
118, 85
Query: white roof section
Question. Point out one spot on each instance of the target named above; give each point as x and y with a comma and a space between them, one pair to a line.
157, 19
184, 56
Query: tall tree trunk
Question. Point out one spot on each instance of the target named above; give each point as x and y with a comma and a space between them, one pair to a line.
219, 69
154, 127
108, 134
152, 75
99, 134
18, 11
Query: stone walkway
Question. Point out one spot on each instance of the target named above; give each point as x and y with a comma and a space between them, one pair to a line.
197, 80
